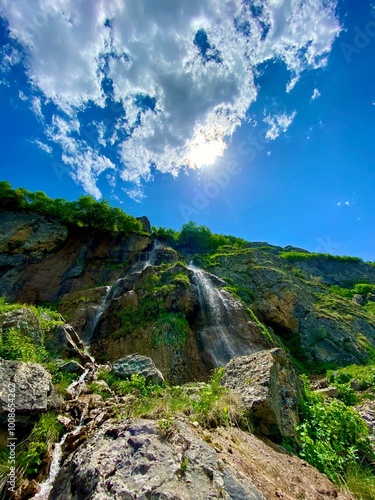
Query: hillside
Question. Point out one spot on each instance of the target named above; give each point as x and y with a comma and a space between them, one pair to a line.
193, 302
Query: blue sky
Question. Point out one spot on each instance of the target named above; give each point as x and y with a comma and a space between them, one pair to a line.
253, 118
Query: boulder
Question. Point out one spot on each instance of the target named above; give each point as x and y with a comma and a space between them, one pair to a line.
330, 392
130, 459
140, 365
269, 388
359, 299
33, 388
146, 225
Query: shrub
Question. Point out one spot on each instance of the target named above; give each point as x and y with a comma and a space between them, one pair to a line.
334, 438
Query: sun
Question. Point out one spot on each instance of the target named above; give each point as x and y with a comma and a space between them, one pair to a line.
204, 149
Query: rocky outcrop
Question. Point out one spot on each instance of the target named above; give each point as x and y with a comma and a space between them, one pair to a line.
32, 385
269, 388
131, 459
134, 364
23, 233
294, 299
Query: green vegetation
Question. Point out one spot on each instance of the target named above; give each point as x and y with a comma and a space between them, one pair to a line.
86, 212
363, 375
28, 342
168, 328
171, 330
334, 437
293, 256
211, 404
358, 288
197, 238
31, 452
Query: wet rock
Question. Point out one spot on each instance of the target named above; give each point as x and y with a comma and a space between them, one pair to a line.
269, 388
140, 365
33, 388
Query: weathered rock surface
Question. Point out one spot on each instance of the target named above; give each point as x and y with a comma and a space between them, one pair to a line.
33, 388
130, 460
139, 365
268, 386
293, 299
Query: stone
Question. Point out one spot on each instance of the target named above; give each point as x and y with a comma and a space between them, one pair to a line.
140, 365
268, 386
359, 299
33, 388
330, 392
146, 225
130, 459
72, 367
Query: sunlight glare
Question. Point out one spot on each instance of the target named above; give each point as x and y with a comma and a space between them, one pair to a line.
204, 150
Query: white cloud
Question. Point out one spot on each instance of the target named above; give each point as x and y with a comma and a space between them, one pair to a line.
147, 49
43, 146
269, 153
315, 94
278, 124
347, 203
339, 204
292, 83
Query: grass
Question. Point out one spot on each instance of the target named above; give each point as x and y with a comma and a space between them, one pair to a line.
31, 452
303, 256
210, 403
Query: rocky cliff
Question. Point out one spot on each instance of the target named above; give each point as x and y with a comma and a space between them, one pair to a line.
254, 310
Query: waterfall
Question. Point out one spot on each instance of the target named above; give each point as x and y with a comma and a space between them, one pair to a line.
225, 329
47, 485
145, 259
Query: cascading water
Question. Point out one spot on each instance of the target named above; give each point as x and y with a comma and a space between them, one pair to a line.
225, 329
46, 487
145, 259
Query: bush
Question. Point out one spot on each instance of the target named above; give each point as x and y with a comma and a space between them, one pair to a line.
85, 212
334, 437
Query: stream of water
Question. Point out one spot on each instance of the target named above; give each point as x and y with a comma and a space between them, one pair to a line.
145, 259
47, 485
226, 330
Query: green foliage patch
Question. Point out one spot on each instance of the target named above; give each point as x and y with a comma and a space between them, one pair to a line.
85, 212
294, 255
210, 404
334, 437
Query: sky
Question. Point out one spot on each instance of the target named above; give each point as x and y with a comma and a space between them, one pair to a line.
254, 118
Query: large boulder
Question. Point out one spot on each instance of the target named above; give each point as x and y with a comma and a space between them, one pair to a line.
269, 387
140, 365
32, 385
131, 460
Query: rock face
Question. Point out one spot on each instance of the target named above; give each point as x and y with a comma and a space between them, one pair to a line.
294, 299
269, 387
140, 365
33, 388
130, 460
